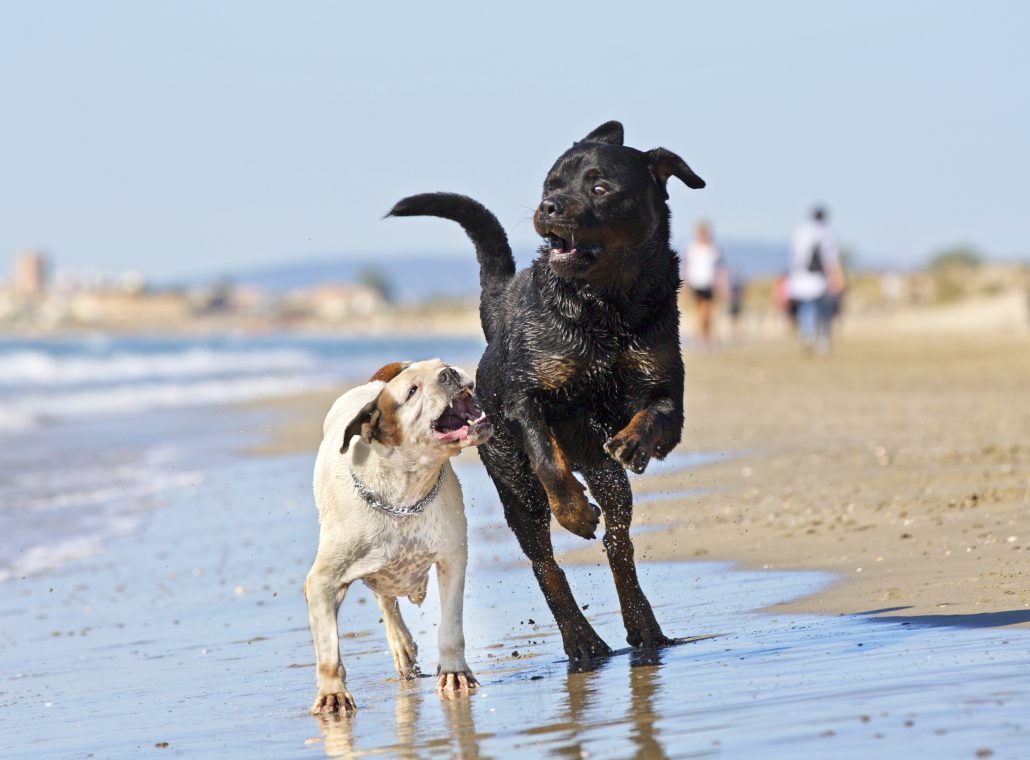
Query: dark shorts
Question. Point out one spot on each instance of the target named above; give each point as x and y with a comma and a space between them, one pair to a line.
702, 294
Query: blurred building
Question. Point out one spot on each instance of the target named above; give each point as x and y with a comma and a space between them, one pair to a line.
333, 302
29, 275
118, 307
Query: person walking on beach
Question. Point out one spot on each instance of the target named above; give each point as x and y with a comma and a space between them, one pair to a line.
816, 281
703, 271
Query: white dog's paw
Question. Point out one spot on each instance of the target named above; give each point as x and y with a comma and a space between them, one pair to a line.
449, 684
404, 652
334, 702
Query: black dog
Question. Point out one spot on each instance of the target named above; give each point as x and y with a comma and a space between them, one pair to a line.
582, 370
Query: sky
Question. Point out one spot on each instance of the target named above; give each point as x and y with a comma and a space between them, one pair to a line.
194, 137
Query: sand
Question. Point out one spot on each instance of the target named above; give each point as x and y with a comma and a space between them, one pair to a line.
900, 463
190, 635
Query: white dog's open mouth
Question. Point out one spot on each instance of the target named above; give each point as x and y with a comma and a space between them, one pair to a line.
458, 419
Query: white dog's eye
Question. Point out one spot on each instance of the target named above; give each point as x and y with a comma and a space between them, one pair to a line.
599, 190
412, 391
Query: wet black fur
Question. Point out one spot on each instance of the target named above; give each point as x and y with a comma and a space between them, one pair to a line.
577, 345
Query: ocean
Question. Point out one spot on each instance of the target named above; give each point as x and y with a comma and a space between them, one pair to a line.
95, 429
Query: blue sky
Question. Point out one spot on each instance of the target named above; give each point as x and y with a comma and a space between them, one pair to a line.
187, 137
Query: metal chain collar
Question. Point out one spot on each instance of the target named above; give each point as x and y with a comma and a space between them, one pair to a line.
376, 502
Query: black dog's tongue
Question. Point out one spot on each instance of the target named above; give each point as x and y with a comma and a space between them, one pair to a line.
561, 245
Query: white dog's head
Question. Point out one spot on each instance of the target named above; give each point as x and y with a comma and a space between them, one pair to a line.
426, 407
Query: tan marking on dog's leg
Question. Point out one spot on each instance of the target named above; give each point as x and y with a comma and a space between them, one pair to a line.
566, 496
398, 638
324, 596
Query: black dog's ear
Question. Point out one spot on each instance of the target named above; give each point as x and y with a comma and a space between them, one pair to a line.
365, 424
610, 132
665, 164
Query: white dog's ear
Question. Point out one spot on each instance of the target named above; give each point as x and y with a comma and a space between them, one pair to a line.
376, 421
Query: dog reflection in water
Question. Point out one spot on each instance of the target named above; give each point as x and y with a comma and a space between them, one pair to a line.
580, 723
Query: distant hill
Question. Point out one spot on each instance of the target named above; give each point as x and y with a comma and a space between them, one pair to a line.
446, 275
411, 278
756, 259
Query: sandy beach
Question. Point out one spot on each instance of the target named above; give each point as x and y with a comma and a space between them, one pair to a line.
180, 626
901, 464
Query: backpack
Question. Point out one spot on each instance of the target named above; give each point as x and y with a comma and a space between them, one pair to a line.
815, 263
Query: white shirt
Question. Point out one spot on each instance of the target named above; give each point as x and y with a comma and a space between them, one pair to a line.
702, 261
806, 285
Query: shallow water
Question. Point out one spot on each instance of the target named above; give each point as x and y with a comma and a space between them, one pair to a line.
194, 632
94, 429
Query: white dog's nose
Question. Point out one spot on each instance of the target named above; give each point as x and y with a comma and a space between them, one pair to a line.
449, 377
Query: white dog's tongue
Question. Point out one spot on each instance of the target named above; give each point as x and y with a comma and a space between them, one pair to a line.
452, 435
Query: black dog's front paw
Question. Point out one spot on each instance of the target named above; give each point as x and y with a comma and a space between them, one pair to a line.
629, 451
579, 516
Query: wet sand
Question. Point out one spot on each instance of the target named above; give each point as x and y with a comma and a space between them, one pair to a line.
191, 639
901, 463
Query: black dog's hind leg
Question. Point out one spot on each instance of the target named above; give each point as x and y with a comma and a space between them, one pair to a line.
610, 486
527, 514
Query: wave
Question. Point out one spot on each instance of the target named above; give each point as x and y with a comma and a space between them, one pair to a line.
30, 410
29, 368
58, 513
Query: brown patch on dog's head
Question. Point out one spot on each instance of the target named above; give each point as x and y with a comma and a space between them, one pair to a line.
425, 408
376, 421
389, 372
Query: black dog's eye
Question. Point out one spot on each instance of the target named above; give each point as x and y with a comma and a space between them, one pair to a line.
599, 190
412, 390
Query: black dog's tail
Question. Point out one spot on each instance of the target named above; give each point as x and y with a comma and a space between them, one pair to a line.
496, 263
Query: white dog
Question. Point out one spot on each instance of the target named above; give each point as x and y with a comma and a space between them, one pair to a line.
389, 507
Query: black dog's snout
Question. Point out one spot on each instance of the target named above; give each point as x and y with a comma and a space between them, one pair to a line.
449, 377
551, 207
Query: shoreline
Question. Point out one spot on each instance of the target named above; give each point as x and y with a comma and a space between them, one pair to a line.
901, 465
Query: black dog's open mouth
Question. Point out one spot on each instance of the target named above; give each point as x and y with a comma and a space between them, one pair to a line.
559, 245
459, 419
567, 246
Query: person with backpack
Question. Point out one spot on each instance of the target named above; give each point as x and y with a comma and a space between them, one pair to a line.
816, 281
